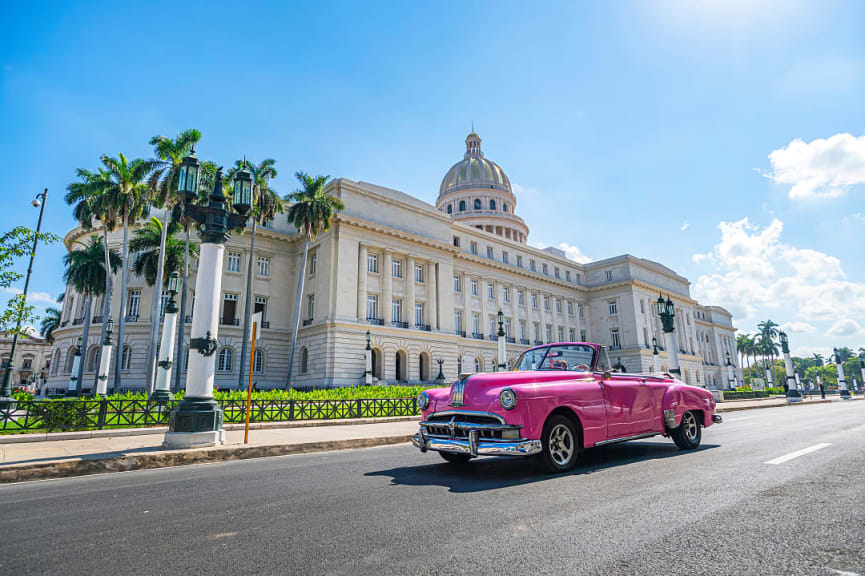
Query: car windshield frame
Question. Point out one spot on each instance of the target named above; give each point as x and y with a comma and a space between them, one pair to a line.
549, 347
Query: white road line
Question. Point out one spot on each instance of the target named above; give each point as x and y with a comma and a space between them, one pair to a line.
797, 453
737, 419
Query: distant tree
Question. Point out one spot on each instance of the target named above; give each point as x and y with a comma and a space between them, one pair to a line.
50, 323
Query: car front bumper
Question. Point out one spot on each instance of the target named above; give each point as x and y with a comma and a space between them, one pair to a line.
475, 447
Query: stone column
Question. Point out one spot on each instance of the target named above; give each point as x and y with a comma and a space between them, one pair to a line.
432, 296
387, 287
361, 282
672, 345
467, 303
482, 323
408, 275
555, 316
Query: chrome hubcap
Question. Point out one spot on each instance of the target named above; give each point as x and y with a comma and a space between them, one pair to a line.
561, 445
689, 426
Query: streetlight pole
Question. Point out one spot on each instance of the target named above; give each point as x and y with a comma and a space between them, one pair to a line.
862, 369
6, 387
367, 375
768, 374
105, 361
197, 419
731, 379
842, 383
793, 393
500, 317
667, 312
74, 385
162, 388
656, 360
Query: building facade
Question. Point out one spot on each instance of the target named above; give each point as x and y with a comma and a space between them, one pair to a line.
427, 282
32, 362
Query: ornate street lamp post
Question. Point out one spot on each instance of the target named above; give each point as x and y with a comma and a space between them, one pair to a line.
441, 377
656, 360
500, 318
793, 392
197, 420
105, 360
842, 383
367, 375
6, 386
667, 312
768, 373
862, 369
162, 389
731, 378
74, 389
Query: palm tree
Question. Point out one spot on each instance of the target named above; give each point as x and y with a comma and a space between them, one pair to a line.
311, 213
818, 359
163, 184
266, 205
861, 352
149, 248
92, 201
85, 271
50, 323
741, 346
769, 331
844, 353
129, 197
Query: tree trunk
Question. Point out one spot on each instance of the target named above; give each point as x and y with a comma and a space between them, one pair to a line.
106, 307
247, 313
88, 304
121, 324
180, 359
297, 304
154, 307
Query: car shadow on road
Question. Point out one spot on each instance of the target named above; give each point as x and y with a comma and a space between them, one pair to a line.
501, 472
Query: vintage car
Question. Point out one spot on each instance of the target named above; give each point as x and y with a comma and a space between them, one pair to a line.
560, 399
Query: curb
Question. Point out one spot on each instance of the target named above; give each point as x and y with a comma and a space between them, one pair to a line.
720, 408
27, 472
115, 432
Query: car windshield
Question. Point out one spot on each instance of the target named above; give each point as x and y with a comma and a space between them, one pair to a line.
573, 357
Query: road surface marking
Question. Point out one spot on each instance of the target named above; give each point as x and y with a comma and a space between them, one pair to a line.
737, 419
797, 453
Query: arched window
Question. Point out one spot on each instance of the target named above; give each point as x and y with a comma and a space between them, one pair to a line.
479, 366
126, 361
462, 205
223, 363
304, 360
504, 206
258, 366
90, 366
70, 358
450, 208
492, 204
477, 203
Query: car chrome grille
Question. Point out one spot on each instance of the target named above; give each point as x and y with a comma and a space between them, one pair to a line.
456, 425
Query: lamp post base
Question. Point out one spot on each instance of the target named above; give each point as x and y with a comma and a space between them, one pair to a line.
196, 422
794, 395
845, 394
161, 396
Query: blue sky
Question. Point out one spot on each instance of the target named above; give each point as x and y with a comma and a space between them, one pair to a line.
625, 127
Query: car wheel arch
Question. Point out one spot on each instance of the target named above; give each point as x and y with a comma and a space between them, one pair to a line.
571, 415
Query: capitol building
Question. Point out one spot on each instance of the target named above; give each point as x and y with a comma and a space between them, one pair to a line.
427, 282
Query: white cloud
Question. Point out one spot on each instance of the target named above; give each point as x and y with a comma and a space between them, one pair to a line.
797, 327
685, 226
845, 328
571, 252
32, 297
757, 273
697, 258
822, 168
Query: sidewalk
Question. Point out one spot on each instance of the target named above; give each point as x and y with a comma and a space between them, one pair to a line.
733, 405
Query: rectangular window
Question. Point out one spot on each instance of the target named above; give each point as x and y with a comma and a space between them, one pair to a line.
561, 334
493, 330
572, 334
614, 338
418, 273
264, 266
134, 298
457, 241
521, 300
556, 272
475, 324
544, 269
506, 294
579, 279
372, 263
504, 257
310, 306
519, 261
582, 336
474, 287
490, 253
609, 275
474, 248
458, 285
458, 321
229, 308
558, 306
532, 265
418, 314
396, 309
491, 292
507, 327
534, 301
396, 268
568, 275
570, 308
580, 310
163, 302
642, 309
372, 307
549, 334
546, 303
313, 264
233, 262
614, 308
261, 306
522, 330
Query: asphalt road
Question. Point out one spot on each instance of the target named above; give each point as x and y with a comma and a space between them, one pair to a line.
637, 508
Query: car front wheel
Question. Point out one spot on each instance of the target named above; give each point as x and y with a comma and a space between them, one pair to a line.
689, 432
561, 446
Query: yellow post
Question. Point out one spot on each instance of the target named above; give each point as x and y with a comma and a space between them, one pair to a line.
249, 389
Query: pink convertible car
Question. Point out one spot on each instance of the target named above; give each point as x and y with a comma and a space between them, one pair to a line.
560, 399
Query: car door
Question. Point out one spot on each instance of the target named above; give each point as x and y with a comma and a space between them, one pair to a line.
628, 405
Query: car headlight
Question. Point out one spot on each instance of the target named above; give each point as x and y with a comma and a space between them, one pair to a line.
423, 401
508, 399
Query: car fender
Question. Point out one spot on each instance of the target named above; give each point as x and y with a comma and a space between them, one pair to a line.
681, 398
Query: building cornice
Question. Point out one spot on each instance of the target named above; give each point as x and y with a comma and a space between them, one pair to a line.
395, 233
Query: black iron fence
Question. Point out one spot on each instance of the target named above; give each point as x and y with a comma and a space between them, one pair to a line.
99, 414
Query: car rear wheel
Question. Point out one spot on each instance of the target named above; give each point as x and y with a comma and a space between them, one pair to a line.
689, 432
561, 445
454, 458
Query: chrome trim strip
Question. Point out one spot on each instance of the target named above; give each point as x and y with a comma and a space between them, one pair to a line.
470, 425
516, 448
626, 438
466, 413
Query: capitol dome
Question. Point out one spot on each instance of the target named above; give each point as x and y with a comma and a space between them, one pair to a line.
477, 191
